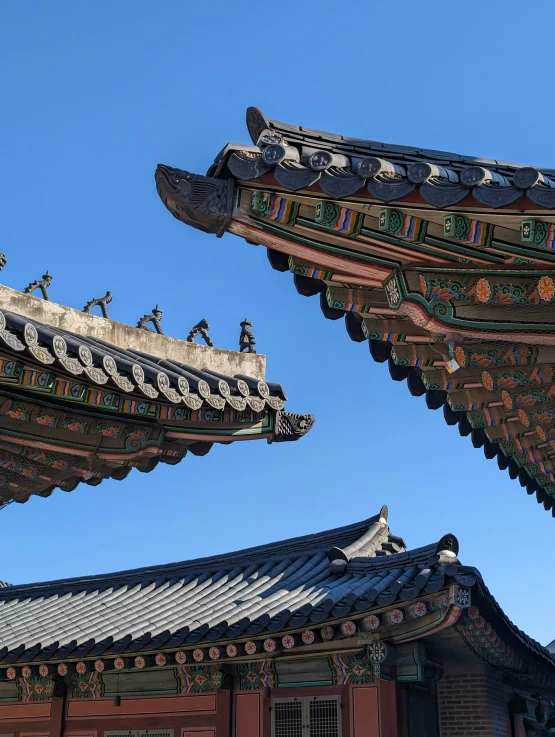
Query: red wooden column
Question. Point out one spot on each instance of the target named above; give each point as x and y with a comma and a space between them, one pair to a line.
365, 711
388, 692
57, 717
249, 719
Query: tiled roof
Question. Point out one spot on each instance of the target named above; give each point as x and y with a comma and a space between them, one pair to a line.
266, 589
132, 371
299, 157
118, 395
457, 303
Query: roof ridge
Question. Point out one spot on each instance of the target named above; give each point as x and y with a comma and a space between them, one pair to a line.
283, 548
436, 163
304, 131
445, 551
370, 544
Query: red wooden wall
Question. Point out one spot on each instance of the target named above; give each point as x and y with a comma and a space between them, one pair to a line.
367, 711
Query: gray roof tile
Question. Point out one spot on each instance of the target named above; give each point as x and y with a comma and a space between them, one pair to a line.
268, 588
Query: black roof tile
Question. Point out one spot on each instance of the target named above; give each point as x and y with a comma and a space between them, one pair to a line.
294, 176
266, 588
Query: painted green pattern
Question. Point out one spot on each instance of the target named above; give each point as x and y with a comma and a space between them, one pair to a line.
355, 669
480, 637
537, 232
65, 389
274, 207
496, 356
302, 268
256, 675
197, 679
406, 227
538, 291
465, 230
443, 311
337, 218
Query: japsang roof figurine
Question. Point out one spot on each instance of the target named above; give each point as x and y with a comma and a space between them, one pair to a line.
443, 264
84, 398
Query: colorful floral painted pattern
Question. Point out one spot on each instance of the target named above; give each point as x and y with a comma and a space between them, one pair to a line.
416, 610
160, 659
140, 662
180, 657
327, 633
377, 651
523, 417
198, 678
46, 420
487, 381
483, 290
269, 645
257, 675
231, 651
288, 642
119, 664
34, 688
87, 685
62, 669
351, 669
507, 399
394, 616
198, 655
250, 648
370, 623
308, 637
480, 637
546, 288
17, 414
214, 653
99, 666
348, 628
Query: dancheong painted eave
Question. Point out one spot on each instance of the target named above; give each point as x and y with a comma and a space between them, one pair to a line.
84, 398
348, 588
443, 263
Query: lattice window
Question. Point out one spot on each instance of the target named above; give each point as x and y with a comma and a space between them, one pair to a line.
316, 716
288, 718
324, 718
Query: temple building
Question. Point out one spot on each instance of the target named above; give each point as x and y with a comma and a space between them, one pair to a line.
343, 633
443, 264
84, 398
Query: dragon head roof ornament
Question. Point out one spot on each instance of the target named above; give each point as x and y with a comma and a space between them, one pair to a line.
203, 202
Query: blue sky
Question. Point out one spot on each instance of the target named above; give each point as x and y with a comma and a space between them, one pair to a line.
94, 95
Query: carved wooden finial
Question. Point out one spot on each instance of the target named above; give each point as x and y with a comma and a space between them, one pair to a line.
201, 328
100, 302
155, 317
246, 339
41, 284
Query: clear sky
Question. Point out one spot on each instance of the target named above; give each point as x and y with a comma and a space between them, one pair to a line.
94, 94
